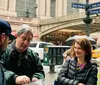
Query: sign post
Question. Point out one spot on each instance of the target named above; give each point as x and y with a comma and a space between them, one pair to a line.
87, 20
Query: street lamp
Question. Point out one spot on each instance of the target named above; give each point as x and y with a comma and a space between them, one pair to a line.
87, 20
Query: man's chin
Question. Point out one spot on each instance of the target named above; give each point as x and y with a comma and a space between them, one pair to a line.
22, 49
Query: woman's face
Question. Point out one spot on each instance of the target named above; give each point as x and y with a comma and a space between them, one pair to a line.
79, 52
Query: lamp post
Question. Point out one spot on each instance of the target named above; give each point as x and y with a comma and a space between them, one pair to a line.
87, 20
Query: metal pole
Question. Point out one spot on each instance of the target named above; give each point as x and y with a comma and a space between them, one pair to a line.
87, 25
52, 69
87, 1
88, 29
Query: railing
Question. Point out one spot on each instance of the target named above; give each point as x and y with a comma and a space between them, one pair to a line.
33, 21
62, 18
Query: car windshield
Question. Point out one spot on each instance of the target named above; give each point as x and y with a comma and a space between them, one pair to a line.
42, 45
33, 45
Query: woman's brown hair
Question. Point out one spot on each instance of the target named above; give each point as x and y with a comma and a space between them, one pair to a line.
86, 46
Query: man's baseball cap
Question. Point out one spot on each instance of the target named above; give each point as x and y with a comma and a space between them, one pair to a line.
6, 28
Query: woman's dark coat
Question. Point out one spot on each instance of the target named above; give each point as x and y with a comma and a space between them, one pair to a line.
69, 75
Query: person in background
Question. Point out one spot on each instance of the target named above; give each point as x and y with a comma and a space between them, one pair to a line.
5, 36
22, 64
66, 55
80, 70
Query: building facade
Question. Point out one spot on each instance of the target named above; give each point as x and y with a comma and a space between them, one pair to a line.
54, 8
41, 9
7, 8
35, 10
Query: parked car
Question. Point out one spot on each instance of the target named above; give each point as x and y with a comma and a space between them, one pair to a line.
96, 53
38, 47
96, 56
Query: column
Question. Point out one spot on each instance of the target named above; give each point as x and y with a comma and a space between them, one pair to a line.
11, 5
65, 7
3, 4
37, 11
48, 8
41, 8
58, 8
7, 7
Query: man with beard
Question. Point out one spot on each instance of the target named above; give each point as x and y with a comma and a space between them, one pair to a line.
5, 35
22, 64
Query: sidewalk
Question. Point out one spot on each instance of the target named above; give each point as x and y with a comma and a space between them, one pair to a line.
50, 77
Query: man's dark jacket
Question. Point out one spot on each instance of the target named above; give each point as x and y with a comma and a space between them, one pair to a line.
2, 76
16, 63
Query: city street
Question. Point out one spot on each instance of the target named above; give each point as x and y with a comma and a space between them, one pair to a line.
50, 77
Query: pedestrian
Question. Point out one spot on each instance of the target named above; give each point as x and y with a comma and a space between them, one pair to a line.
68, 54
22, 64
5, 35
80, 70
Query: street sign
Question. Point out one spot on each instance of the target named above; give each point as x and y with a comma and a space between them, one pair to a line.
77, 5
82, 6
89, 12
94, 5
95, 11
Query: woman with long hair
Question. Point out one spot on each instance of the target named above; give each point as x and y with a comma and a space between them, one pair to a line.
79, 70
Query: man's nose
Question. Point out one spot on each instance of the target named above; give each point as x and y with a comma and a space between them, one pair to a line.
26, 42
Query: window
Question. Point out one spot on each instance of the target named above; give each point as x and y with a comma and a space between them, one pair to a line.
33, 45
52, 8
42, 45
71, 10
23, 5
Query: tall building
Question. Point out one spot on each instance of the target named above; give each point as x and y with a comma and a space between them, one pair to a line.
40, 8
55, 8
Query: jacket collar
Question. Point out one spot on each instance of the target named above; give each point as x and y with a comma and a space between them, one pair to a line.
1, 51
88, 64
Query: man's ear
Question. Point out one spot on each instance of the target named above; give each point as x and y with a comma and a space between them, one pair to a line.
3, 35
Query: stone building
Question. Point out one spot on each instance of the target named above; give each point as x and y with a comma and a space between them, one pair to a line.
19, 12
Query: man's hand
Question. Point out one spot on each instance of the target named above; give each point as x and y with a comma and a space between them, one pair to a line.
22, 80
34, 79
80, 84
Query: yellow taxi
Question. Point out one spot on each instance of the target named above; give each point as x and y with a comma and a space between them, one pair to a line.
96, 53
